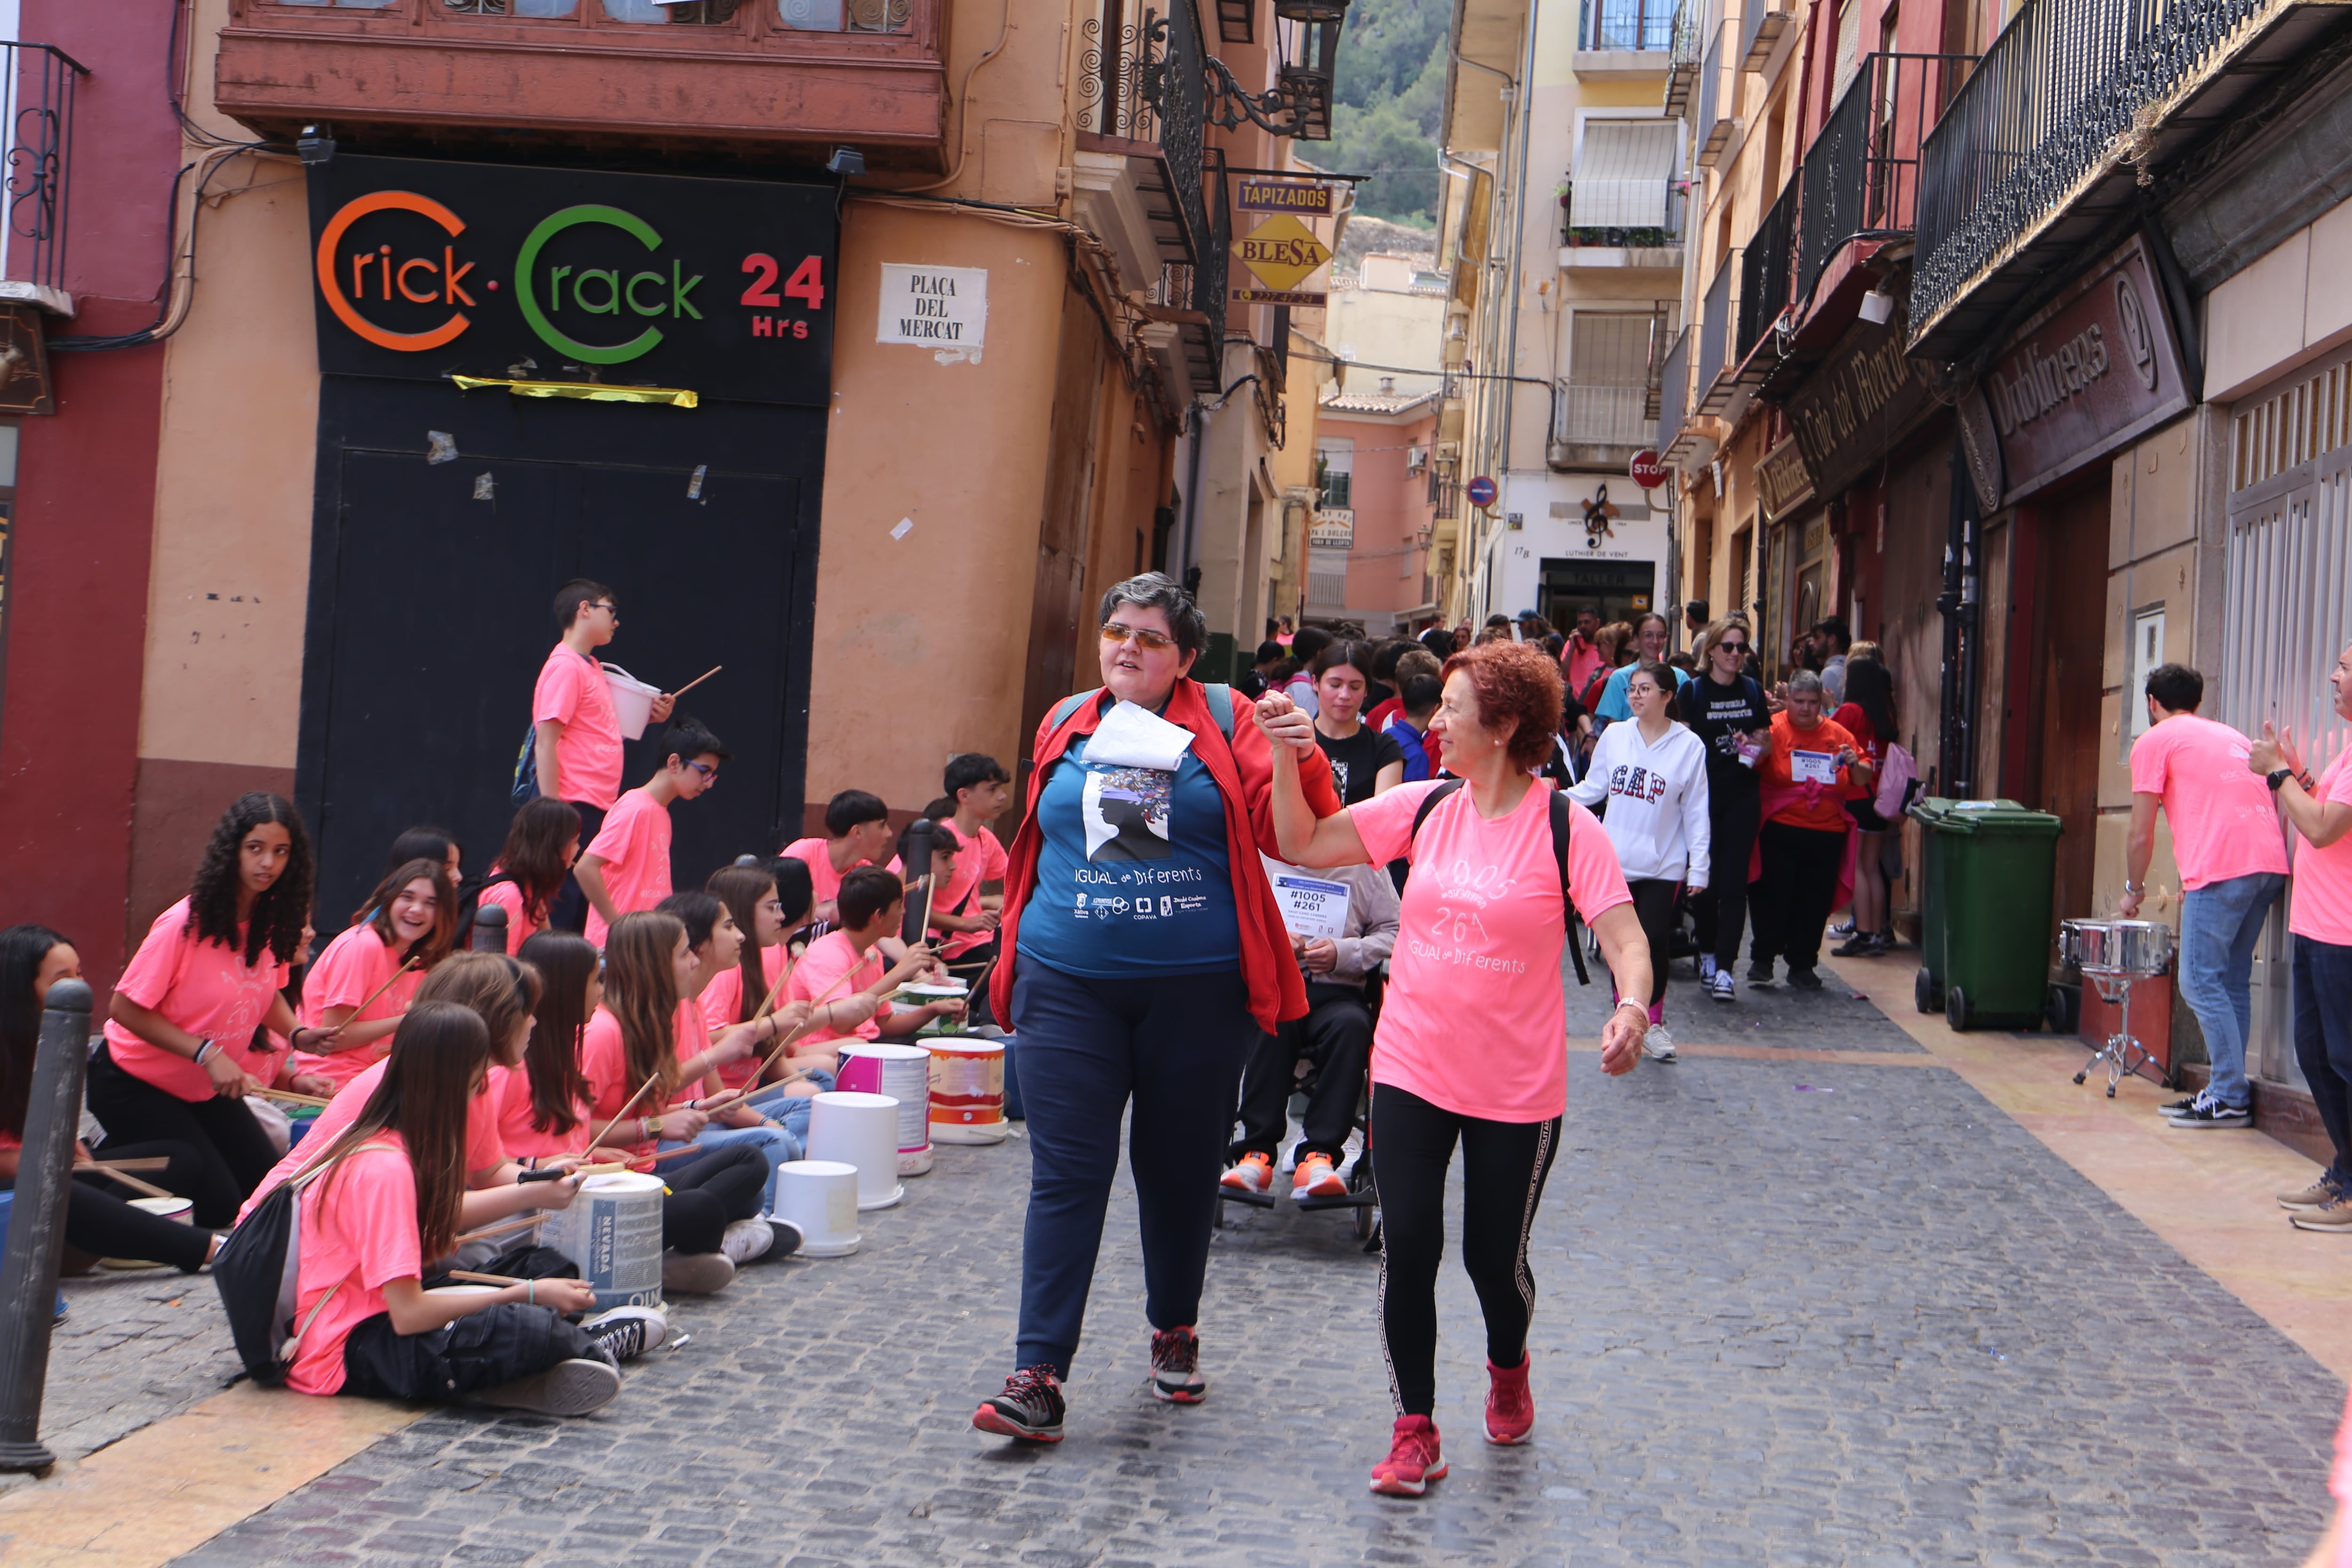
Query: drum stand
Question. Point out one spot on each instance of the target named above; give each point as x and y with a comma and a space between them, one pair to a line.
2123, 1053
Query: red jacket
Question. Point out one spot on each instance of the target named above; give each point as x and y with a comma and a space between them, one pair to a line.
1244, 775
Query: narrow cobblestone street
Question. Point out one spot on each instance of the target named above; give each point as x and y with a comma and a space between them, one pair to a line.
1793, 1310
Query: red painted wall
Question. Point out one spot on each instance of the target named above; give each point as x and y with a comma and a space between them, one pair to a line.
86, 502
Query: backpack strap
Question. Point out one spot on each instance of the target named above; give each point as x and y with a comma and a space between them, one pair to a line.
1563, 823
1069, 705
1429, 804
1220, 708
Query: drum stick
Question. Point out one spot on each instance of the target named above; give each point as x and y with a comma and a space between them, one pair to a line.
520, 1222
471, 1277
373, 995
149, 1188
156, 1163
768, 1005
630, 1105
696, 681
289, 1096
770, 1059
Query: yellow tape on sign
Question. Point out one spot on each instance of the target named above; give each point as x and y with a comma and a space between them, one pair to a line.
586, 391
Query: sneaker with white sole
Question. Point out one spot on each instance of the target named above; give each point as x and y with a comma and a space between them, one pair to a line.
1317, 1177
1706, 970
1176, 1367
627, 1332
1253, 1173
2316, 1196
572, 1387
1658, 1044
1031, 1407
2208, 1113
697, 1273
2334, 1217
2180, 1106
786, 1237
1725, 988
746, 1239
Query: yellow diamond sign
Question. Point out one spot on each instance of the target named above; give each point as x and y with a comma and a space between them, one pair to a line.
1281, 252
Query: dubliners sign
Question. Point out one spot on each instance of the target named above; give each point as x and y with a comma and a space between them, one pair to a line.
423, 269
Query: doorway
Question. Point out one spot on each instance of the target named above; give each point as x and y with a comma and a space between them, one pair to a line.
2070, 670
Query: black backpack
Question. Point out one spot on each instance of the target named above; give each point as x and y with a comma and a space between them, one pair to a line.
256, 1272
1562, 822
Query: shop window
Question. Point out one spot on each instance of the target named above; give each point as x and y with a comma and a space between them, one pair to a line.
844, 15
677, 12
1335, 464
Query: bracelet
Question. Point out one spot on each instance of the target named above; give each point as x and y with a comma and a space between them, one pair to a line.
205, 1050
1629, 1002
530, 1293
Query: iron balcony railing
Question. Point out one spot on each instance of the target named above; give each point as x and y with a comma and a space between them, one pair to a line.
1588, 414
1754, 15
1860, 179
1715, 323
2066, 85
1626, 24
36, 117
1764, 270
1667, 208
1689, 31
1674, 391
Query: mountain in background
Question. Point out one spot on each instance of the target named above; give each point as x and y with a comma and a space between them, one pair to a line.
1389, 96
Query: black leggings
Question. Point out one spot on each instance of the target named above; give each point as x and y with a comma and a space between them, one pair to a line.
725, 1184
478, 1352
1796, 893
1653, 905
1504, 1165
231, 1151
101, 1222
1722, 910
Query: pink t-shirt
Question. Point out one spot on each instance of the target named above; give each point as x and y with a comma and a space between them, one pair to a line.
634, 844
827, 959
2322, 906
482, 1150
722, 999
572, 690
605, 1060
981, 859
358, 1233
822, 876
202, 987
2223, 822
509, 896
345, 975
519, 1137
1474, 1021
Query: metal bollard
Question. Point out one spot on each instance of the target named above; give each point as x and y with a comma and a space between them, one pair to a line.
917, 864
36, 1224
490, 928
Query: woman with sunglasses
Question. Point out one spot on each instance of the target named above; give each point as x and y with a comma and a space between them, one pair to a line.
1144, 954
1726, 710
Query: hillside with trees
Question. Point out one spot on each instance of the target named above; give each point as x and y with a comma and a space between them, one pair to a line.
1384, 121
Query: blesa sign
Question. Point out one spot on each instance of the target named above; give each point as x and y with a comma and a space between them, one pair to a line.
423, 269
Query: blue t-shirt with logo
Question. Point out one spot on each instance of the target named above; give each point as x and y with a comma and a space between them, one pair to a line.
1133, 876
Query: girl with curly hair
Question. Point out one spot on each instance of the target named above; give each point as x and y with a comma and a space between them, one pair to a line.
182, 1042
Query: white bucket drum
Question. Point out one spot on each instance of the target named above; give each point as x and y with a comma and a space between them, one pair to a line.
904, 1073
613, 1231
465, 1290
180, 1209
633, 702
821, 1197
967, 1090
859, 1129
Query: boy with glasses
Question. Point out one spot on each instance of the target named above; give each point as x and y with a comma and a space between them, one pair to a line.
576, 733
626, 867
1726, 711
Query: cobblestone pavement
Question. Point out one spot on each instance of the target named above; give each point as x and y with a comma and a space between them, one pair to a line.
134, 1347
1792, 1312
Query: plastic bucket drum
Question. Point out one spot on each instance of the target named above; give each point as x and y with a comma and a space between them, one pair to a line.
633, 702
180, 1209
862, 1131
904, 1073
821, 1197
967, 1090
463, 1290
613, 1231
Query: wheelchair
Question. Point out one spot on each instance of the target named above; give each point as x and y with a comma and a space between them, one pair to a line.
1361, 1198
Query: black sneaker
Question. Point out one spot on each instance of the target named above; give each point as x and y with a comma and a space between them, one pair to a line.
2179, 1107
1176, 1367
1804, 979
1863, 946
2210, 1113
627, 1332
1761, 972
1030, 1408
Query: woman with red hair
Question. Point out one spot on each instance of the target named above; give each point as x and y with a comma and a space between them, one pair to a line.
1477, 960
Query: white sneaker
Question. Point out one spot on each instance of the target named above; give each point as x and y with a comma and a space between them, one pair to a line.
746, 1239
695, 1273
1706, 970
1658, 1044
1724, 988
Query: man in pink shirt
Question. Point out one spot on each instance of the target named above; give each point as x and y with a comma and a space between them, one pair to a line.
2321, 921
2232, 858
626, 865
576, 734
1582, 656
857, 832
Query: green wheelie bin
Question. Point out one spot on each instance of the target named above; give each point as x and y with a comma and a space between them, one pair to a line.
1984, 906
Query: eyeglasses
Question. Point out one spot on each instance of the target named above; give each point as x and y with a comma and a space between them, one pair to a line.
710, 775
1731, 647
1155, 641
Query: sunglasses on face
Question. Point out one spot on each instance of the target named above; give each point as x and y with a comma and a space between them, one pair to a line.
1155, 641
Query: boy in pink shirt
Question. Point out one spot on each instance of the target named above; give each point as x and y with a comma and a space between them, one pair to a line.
872, 905
576, 733
981, 789
2232, 858
626, 865
857, 832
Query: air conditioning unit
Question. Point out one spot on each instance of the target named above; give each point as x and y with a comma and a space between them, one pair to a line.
1416, 460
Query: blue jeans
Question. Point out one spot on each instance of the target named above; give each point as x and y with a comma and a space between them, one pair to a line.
2323, 1042
2220, 924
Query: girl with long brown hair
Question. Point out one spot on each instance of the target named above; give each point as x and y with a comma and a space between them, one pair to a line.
527, 876
358, 988
382, 1199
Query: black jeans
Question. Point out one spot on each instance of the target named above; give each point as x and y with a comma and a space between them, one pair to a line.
1504, 1165
1794, 894
569, 909
480, 1351
725, 1184
1174, 1045
100, 1221
1654, 906
1720, 911
231, 1152
2323, 1041
1337, 1036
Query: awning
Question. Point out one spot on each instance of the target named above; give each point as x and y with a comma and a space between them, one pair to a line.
1621, 174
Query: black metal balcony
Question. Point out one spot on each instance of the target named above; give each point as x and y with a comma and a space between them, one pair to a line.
2072, 104
1683, 45
1860, 179
1674, 391
1718, 317
36, 105
1764, 277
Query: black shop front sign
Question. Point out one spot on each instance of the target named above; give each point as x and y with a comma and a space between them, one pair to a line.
423, 269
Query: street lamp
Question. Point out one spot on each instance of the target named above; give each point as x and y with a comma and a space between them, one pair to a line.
1306, 54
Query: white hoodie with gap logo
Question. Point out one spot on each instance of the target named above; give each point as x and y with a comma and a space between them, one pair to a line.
1656, 795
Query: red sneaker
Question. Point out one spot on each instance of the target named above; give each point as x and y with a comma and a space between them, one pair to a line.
1510, 1407
1314, 1178
1413, 1462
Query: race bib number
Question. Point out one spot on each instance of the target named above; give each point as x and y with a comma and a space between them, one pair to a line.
1813, 767
1312, 908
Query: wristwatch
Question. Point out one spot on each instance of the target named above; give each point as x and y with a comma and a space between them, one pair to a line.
2279, 777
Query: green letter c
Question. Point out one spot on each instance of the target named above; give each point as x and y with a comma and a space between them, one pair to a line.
527, 298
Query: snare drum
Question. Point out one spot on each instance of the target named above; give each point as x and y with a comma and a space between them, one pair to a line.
2116, 947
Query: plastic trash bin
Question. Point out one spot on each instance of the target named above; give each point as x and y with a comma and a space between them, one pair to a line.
1985, 894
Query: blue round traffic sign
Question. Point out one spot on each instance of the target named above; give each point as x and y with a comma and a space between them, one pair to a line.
1481, 491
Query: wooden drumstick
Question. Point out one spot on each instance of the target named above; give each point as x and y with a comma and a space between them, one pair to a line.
149, 1188
767, 1004
503, 1228
628, 1106
373, 997
696, 681
770, 1060
289, 1096
473, 1278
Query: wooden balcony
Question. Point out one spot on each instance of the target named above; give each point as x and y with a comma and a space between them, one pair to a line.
751, 75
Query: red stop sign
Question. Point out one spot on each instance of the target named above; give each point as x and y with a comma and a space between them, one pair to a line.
1646, 472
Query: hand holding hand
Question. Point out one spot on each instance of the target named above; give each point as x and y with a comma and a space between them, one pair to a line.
1281, 720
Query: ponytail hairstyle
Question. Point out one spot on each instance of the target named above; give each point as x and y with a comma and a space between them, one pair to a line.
743, 888
280, 912
438, 1056
502, 992
375, 910
565, 962
23, 949
538, 852
641, 992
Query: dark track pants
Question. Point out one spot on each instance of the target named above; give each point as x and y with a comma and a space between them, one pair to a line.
232, 1153
1794, 894
478, 1352
1337, 1036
